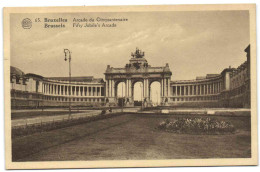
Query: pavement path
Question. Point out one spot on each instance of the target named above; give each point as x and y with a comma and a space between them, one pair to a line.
46, 119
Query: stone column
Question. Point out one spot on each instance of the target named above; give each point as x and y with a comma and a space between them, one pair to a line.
126, 88
164, 88
147, 88
130, 88
113, 88
169, 87
50, 88
176, 90
106, 88
188, 90
161, 87
109, 88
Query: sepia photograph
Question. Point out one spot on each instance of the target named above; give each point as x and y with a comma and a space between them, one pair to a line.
130, 86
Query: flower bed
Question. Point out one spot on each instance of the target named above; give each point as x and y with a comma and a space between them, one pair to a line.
199, 125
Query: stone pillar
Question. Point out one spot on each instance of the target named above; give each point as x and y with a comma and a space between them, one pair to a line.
55, 88
130, 88
106, 88
165, 87
113, 88
161, 87
50, 89
126, 88
110, 88
147, 88
176, 90
169, 90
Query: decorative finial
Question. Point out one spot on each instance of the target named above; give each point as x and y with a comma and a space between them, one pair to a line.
138, 53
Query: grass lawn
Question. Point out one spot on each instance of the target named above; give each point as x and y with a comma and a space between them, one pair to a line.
132, 136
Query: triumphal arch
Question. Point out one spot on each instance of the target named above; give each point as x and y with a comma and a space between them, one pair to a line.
137, 70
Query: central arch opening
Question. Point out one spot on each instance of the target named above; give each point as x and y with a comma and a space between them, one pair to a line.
138, 93
155, 96
120, 90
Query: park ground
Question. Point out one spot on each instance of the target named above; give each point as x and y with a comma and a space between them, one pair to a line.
133, 137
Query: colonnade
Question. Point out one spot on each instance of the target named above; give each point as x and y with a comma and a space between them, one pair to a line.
73, 90
197, 89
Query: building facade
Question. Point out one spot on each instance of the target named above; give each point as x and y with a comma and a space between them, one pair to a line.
230, 88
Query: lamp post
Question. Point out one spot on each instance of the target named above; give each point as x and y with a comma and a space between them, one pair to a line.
68, 57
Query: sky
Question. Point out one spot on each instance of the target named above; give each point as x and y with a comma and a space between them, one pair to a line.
194, 43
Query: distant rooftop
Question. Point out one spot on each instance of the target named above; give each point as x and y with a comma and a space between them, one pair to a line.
16, 71
211, 76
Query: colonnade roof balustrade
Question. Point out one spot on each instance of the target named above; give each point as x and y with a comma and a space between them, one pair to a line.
197, 81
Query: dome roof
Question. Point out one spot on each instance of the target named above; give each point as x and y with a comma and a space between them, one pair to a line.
16, 71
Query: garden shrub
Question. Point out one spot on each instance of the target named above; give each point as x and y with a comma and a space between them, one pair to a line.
197, 126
